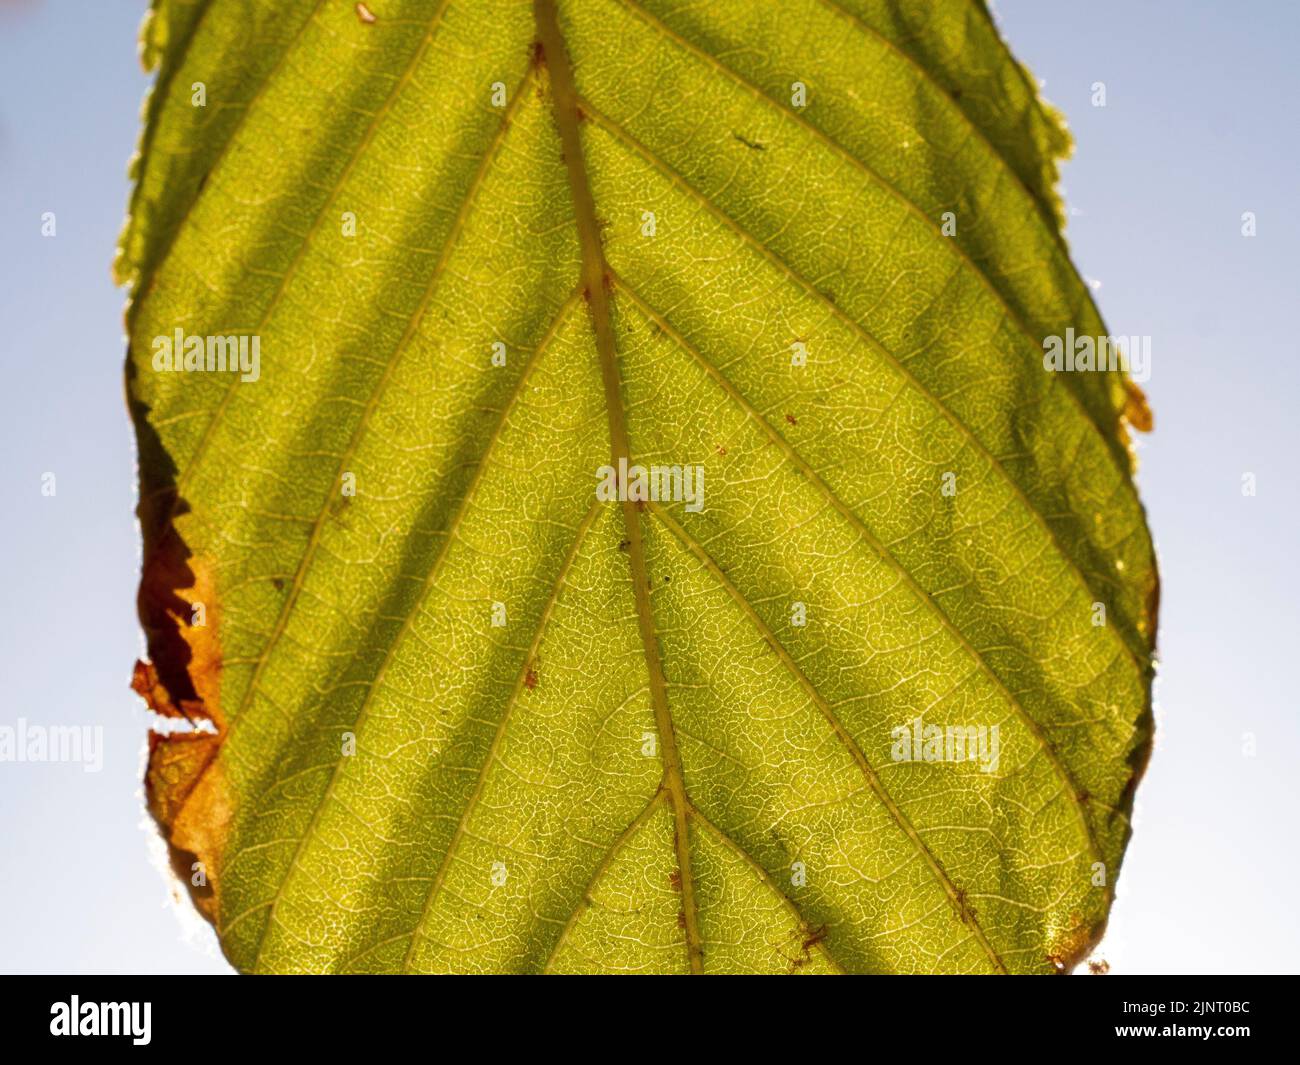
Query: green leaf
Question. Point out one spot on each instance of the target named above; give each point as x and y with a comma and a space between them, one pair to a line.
450, 711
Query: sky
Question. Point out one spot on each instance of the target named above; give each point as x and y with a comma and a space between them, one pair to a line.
1198, 127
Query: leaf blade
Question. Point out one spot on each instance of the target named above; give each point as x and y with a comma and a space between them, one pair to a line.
367, 615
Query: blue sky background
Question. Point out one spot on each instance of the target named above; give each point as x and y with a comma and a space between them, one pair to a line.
1199, 126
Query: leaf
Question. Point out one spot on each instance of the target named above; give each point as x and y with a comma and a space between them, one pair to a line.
448, 710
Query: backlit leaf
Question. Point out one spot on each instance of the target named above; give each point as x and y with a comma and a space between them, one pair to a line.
451, 711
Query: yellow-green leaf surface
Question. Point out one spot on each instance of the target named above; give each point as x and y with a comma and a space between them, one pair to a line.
465, 716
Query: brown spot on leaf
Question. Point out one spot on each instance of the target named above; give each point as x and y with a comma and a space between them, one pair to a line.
1137, 412
791, 419
185, 784
813, 936
964, 910
1072, 946
176, 762
145, 683
804, 939
200, 829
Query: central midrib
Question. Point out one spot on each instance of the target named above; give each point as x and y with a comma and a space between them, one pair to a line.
595, 284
